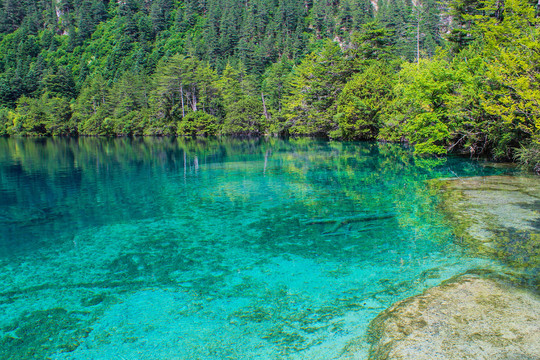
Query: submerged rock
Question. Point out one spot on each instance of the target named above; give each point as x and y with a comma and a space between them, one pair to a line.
476, 316
497, 216
468, 317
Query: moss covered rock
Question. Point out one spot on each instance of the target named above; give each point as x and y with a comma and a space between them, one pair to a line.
497, 216
468, 317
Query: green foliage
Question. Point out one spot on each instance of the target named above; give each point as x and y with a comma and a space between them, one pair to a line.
339, 69
244, 117
462, 31
198, 123
529, 157
184, 84
60, 83
275, 84
513, 67
39, 117
372, 42
420, 109
362, 101
315, 85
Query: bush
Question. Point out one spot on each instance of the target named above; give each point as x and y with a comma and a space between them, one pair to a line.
529, 157
198, 123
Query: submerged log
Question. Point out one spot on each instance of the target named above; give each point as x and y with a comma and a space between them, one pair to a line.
348, 220
340, 222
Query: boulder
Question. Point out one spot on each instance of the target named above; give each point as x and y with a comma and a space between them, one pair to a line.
468, 317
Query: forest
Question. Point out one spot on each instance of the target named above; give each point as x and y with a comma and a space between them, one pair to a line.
457, 76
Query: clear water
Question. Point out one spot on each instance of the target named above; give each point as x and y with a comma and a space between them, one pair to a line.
231, 249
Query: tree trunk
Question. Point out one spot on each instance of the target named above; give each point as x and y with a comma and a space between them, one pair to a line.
266, 115
418, 35
182, 98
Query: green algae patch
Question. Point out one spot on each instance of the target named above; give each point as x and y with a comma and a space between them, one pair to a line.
467, 317
39, 334
497, 216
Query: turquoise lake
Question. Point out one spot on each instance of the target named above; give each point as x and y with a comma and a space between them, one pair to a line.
215, 249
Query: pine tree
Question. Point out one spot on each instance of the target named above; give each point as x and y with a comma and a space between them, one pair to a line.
13, 14
60, 83
362, 13
160, 13
461, 31
397, 16
32, 20
99, 11
315, 85
86, 24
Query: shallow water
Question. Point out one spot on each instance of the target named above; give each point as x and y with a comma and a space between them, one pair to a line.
231, 249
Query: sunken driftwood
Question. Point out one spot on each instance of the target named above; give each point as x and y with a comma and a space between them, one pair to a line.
340, 222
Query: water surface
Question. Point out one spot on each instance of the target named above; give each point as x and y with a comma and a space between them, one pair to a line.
214, 249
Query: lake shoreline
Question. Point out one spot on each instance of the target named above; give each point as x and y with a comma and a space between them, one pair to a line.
440, 322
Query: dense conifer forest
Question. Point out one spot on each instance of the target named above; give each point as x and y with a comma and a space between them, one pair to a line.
457, 76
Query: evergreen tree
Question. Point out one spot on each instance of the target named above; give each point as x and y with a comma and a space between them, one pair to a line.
397, 17
362, 101
372, 42
85, 21
362, 13
99, 11
60, 83
13, 14
461, 32
160, 14
315, 85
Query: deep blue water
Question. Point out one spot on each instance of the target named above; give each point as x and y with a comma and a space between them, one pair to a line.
214, 249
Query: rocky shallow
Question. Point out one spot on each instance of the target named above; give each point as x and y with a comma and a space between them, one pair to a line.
482, 315
468, 317
497, 216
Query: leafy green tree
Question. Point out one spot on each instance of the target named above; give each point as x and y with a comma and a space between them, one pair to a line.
438, 105
362, 101
92, 100
183, 85
513, 65
462, 27
244, 117
275, 84
59, 115
229, 85
421, 105
372, 42
315, 86
43, 116
31, 117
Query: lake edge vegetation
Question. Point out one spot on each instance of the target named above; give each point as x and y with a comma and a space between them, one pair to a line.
458, 76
